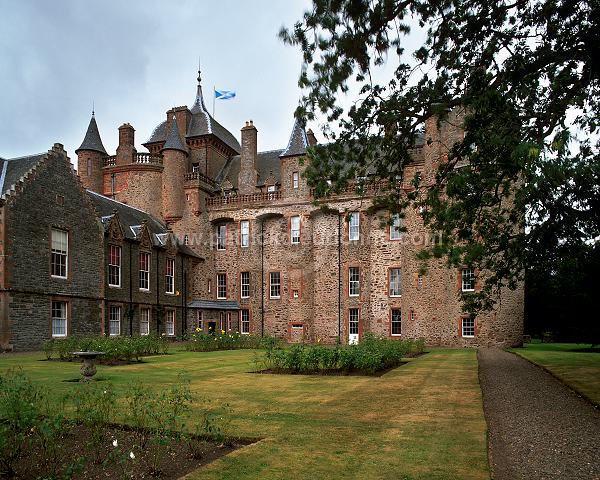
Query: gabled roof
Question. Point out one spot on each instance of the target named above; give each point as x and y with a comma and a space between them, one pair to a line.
92, 140
14, 169
201, 124
132, 218
268, 165
173, 141
298, 141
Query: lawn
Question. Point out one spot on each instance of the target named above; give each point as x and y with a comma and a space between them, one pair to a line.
577, 365
423, 420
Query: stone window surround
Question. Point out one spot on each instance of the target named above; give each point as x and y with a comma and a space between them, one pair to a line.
65, 301
295, 180
170, 322
243, 244
248, 321
394, 229
468, 324
292, 230
221, 234
354, 226
389, 282
273, 284
170, 275
116, 308
353, 284
468, 279
221, 286
242, 284
354, 323
112, 256
145, 315
61, 253
144, 273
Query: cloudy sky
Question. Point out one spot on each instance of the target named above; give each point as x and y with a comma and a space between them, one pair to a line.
135, 59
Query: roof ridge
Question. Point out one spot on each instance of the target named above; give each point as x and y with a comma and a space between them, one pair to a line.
120, 203
25, 156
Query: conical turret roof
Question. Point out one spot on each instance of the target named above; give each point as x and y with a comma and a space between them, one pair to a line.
173, 141
92, 140
298, 141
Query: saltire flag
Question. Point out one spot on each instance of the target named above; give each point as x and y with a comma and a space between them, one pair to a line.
224, 94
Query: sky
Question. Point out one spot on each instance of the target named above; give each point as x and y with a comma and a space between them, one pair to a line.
132, 60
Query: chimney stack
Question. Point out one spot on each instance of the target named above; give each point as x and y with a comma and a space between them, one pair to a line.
126, 149
248, 175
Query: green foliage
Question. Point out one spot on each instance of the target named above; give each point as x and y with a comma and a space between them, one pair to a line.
372, 354
202, 342
115, 348
525, 178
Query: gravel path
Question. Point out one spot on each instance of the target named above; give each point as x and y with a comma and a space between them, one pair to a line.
538, 428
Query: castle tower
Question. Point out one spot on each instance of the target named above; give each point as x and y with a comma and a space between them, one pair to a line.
292, 166
175, 166
248, 175
90, 157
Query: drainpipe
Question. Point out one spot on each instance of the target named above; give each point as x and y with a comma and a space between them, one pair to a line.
130, 290
183, 299
262, 277
157, 296
339, 278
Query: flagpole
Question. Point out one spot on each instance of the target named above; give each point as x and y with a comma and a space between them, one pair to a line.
214, 95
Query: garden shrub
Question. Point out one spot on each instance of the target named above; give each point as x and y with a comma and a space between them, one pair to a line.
221, 340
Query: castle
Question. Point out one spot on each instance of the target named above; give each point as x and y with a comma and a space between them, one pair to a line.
205, 233
275, 263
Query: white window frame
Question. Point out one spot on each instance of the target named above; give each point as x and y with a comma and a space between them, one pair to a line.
353, 321
221, 237
275, 286
396, 321
221, 286
295, 180
395, 282
467, 276
354, 226
245, 233
467, 327
60, 312
144, 275
244, 285
395, 226
170, 323
353, 281
295, 230
200, 321
114, 320
419, 281
144, 321
59, 261
228, 324
245, 322
170, 276
114, 269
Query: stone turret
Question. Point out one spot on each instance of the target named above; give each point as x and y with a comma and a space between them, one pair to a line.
90, 157
175, 166
248, 175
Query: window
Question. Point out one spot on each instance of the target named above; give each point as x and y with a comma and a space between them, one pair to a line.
195, 167
60, 252
200, 321
353, 282
170, 323
245, 233
468, 327
59, 319
144, 271
221, 321
229, 321
353, 321
89, 167
419, 281
295, 230
275, 285
186, 240
271, 189
245, 322
295, 180
221, 286
114, 320
468, 280
209, 285
245, 284
354, 226
395, 282
114, 266
413, 316
170, 276
144, 321
396, 321
395, 227
221, 236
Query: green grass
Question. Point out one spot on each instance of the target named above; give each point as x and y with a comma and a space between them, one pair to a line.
577, 365
423, 420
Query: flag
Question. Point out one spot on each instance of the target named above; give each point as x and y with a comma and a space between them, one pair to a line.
224, 94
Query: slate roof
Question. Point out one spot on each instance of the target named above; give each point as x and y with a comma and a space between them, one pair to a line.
201, 123
267, 164
92, 140
214, 304
131, 219
173, 141
298, 141
14, 169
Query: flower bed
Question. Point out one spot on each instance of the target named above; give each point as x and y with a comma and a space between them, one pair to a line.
115, 348
221, 340
371, 355
76, 437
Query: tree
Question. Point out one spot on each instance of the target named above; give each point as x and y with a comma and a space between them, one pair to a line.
526, 73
